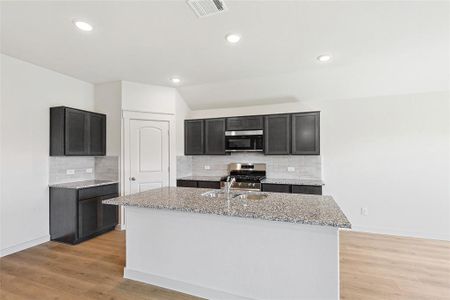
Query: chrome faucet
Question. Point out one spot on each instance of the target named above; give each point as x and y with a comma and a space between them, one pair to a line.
229, 183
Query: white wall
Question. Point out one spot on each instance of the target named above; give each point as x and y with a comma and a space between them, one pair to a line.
150, 98
108, 100
182, 112
390, 154
27, 92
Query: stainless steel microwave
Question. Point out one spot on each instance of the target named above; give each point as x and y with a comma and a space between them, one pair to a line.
246, 140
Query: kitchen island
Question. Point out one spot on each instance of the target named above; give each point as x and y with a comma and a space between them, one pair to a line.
238, 246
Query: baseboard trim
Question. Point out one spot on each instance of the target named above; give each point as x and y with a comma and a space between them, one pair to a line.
403, 233
24, 245
179, 286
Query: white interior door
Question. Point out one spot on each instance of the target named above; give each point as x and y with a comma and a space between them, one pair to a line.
149, 155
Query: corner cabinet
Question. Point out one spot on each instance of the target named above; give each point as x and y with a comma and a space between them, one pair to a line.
75, 132
215, 136
194, 131
306, 133
277, 134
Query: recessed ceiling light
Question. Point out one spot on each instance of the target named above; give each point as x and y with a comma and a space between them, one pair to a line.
83, 25
175, 80
233, 38
324, 58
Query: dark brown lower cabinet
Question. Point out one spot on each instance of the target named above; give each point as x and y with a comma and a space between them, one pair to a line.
198, 184
187, 183
265, 187
276, 188
78, 214
307, 189
209, 184
294, 189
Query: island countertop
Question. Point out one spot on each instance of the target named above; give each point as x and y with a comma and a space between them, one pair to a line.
293, 208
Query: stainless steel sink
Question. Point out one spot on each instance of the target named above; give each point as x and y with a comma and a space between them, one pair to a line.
252, 196
220, 194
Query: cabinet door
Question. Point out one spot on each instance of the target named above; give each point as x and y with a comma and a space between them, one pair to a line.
215, 136
77, 134
209, 184
276, 188
97, 134
193, 137
307, 189
109, 213
277, 134
245, 123
89, 216
187, 183
306, 133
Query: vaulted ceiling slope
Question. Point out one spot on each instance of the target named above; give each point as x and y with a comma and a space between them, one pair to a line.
378, 47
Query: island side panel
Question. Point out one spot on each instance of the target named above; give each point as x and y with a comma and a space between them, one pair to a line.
221, 257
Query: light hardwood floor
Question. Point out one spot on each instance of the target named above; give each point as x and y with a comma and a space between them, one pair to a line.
372, 267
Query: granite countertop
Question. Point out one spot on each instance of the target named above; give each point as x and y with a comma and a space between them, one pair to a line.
317, 182
293, 208
201, 178
82, 184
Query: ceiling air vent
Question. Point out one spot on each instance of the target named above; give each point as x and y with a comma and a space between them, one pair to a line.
205, 8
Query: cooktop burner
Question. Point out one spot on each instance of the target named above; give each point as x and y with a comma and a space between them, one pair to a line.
246, 172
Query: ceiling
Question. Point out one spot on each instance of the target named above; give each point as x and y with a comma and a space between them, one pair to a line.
378, 47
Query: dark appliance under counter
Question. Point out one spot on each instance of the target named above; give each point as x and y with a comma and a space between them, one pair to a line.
77, 213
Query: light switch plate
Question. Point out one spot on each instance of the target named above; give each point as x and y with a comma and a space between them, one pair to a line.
70, 171
89, 170
207, 167
291, 169
364, 211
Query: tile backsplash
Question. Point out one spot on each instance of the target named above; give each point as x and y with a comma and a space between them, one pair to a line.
107, 167
82, 168
184, 166
278, 166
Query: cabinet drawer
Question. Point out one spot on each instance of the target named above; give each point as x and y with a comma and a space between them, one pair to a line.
276, 188
98, 191
209, 184
307, 189
187, 183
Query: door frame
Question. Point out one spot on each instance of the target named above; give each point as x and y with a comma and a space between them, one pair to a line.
128, 116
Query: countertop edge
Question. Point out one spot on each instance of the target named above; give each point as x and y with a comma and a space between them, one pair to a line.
81, 186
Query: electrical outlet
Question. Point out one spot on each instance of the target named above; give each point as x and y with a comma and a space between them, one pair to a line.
89, 170
364, 211
70, 171
207, 167
291, 169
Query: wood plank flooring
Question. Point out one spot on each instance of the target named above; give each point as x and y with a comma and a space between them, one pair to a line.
372, 267
375, 267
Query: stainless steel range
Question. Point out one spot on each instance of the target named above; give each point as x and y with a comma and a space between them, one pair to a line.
247, 176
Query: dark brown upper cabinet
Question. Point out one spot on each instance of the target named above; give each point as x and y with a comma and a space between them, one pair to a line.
75, 132
97, 134
215, 136
245, 123
306, 133
194, 131
277, 134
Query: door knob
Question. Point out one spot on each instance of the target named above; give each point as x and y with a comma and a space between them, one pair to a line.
132, 178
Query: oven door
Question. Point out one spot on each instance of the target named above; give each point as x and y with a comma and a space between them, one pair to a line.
244, 141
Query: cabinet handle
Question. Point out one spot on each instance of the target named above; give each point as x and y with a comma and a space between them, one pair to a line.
132, 178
